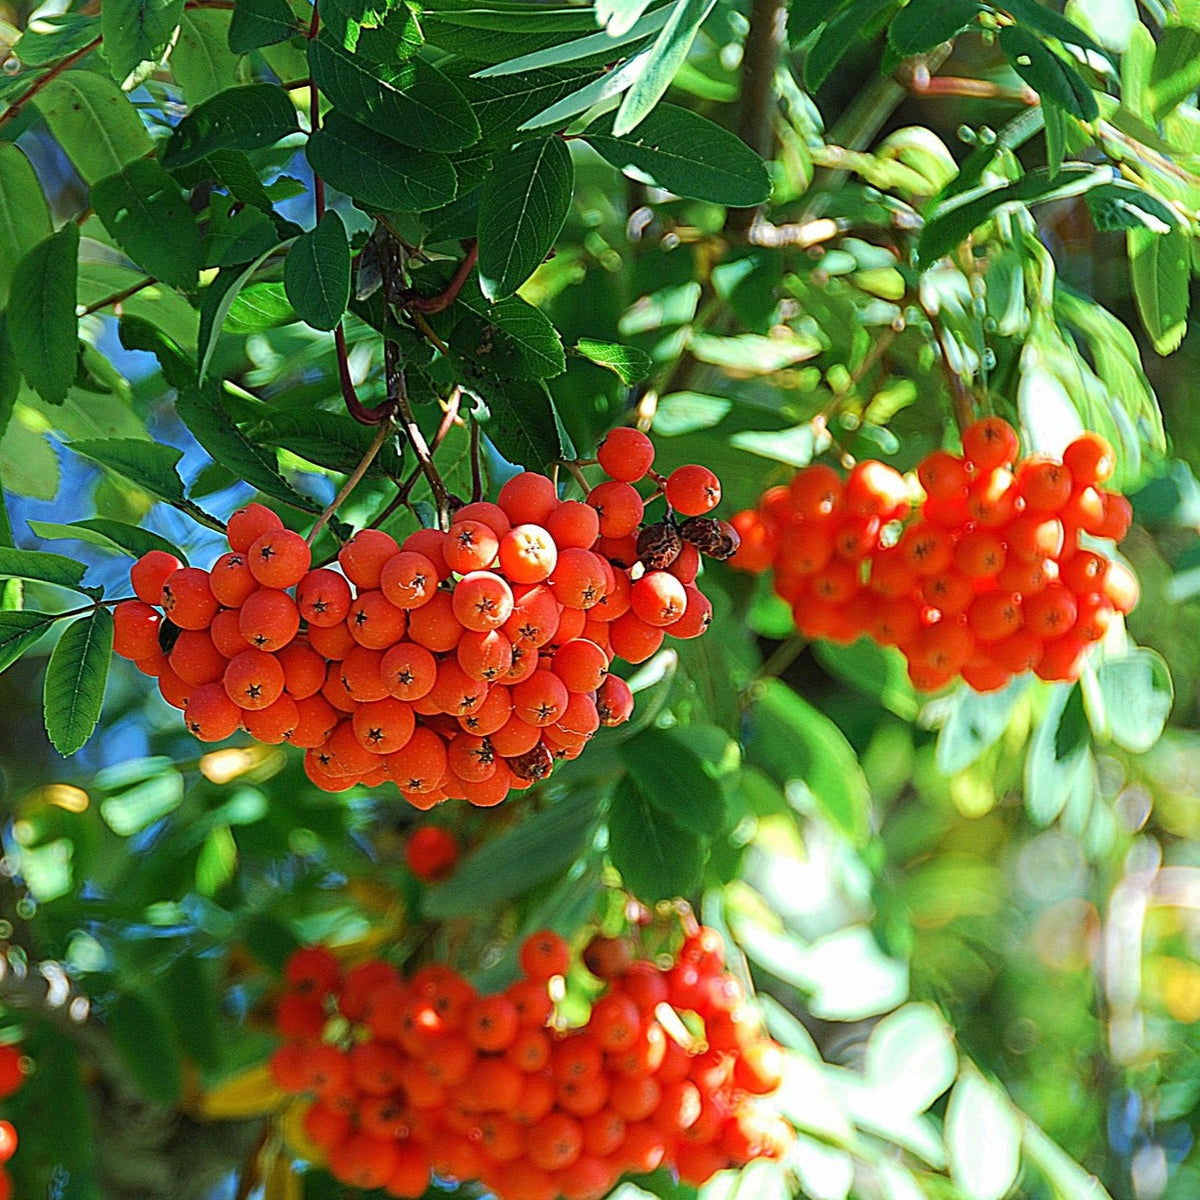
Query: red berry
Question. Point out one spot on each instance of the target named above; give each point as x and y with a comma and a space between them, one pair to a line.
431, 853
626, 454
693, 490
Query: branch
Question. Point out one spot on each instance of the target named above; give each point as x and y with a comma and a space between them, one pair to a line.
353, 479
13, 109
356, 408
118, 297
398, 402
447, 296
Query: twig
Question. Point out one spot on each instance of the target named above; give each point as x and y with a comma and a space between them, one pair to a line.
13, 109
447, 296
314, 116
117, 297
356, 408
248, 1176
405, 490
428, 332
476, 463
353, 479
398, 401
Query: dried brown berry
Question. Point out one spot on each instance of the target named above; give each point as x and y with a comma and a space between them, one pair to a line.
534, 764
658, 545
715, 538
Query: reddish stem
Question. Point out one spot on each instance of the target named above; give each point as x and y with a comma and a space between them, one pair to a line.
68, 62
446, 297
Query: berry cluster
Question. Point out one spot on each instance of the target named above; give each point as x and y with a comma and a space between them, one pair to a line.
986, 579
459, 664
12, 1076
420, 1076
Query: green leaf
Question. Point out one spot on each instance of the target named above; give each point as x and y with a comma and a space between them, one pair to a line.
137, 31
922, 24
629, 363
503, 105
42, 326
94, 122
24, 213
795, 744
202, 62
410, 102
258, 23
1124, 205
259, 306
1176, 72
240, 118
328, 439
983, 1138
522, 422
1032, 15
75, 679
54, 36
147, 214
658, 859
214, 429
1069, 1180
1056, 139
874, 670
142, 792
1058, 762
19, 630
523, 205
193, 1003
512, 338
666, 56
1054, 79
975, 723
1159, 268
683, 152
316, 273
151, 465
608, 85
1138, 695
141, 1032
41, 566
377, 171
109, 535
672, 776
540, 847
215, 302
910, 1059
837, 38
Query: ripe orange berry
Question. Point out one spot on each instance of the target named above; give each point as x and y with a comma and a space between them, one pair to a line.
374, 621
304, 670
135, 630
363, 1161
992, 498
573, 523
1118, 516
692, 490
697, 616
873, 489
554, 1142
578, 579
471, 758
408, 671
534, 618
1033, 536
209, 713
312, 970
231, 580
1090, 459
492, 1023
431, 853
515, 737
816, 493
317, 719
1095, 614
274, 724
150, 572
420, 765
985, 676
658, 598
619, 508
1121, 587
626, 454
360, 674
195, 659
1051, 612
528, 498
1062, 658
528, 554
249, 523
1045, 484
979, 553
364, 555
927, 548
384, 726
323, 597
408, 579
633, 639
581, 665
541, 699
1083, 572
485, 654
434, 624
990, 443
279, 558
543, 955
470, 546
188, 599
856, 536
1018, 652
172, 689
942, 648
943, 475
482, 601
269, 619
994, 615
254, 679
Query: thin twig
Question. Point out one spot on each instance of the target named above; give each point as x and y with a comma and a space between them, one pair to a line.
401, 497
356, 408
476, 463
249, 1176
314, 116
117, 297
398, 401
447, 296
353, 479
428, 332
13, 109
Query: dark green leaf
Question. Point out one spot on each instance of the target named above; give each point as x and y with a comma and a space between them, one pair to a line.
316, 273
141, 1032
807, 16
503, 105
42, 566
658, 859
1138, 695
682, 152
257, 307
631, 364
377, 171
241, 118
258, 23
522, 207
151, 465
537, 849
109, 535
512, 339
193, 1003
75, 679
837, 37
672, 776
1175, 74
1054, 79
666, 56
1031, 15
269, 940
10, 379
19, 631
874, 670
1124, 205
214, 429
922, 24
42, 326
24, 215
795, 744
523, 422
138, 334
149, 216
1158, 264
94, 122
1057, 766
328, 439
1056, 139
410, 102
202, 62
137, 31
54, 37
215, 302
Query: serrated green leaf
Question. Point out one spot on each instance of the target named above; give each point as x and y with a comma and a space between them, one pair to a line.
410, 102
316, 273
1053, 78
75, 679
53, 36
512, 338
259, 306
522, 208
24, 214
666, 56
682, 152
202, 62
150, 465
1159, 268
1138, 695
328, 439
94, 122
240, 118
630, 364
377, 171
258, 23
922, 24
140, 1031
672, 776
137, 31
147, 214
503, 105
537, 849
19, 630
1032, 15
136, 333
108, 535
836, 39
215, 430
41, 321
523, 423
658, 859
1124, 205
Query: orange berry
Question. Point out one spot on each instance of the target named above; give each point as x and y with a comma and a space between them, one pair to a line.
269, 619
431, 853
172, 689
384, 726
816, 493
274, 724
1084, 510
573, 524
363, 1161
1095, 614
543, 955
491, 715
581, 665
482, 601
484, 654
209, 713
333, 643
304, 670
195, 658
1118, 516
1034, 536
188, 599
626, 454
873, 489
434, 624
618, 507
408, 579
994, 615
492, 1023
1062, 658
758, 1069
942, 648
658, 598
990, 443
980, 553
554, 1142
1018, 652
364, 555
470, 546
697, 616
420, 764
323, 597
692, 490
454, 691
534, 617
541, 699
361, 675
249, 523
528, 553
578, 579
992, 498
528, 498
1045, 484
471, 758
943, 475
515, 737
491, 515
231, 580
254, 679
633, 639
1090, 459
1051, 612
374, 621
135, 630
927, 548
279, 558
891, 572
150, 572
1027, 577
985, 676
1083, 572
316, 720
1121, 587
408, 671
